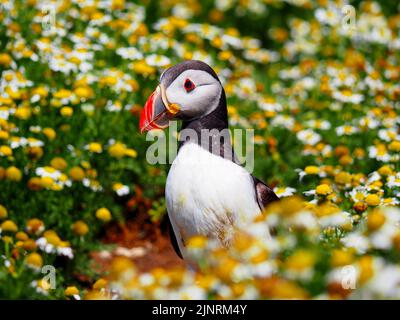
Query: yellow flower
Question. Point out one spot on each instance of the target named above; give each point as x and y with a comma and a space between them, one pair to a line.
52, 238
44, 284
120, 265
3, 212
35, 260
4, 135
141, 67
197, 242
100, 284
21, 236
5, 151
284, 289
345, 160
396, 241
5, 59
49, 133
300, 260
35, 152
372, 200
58, 163
260, 257
46, 182
77, 174
375, 220
96, 295
225, 268
394, 146
117, 150
62, 94
41, 91
366, 269
131, 153
71, 291
9, 225
7, 239
103, 214
343, 178
80, 228
66, 111
34, 226
95, 147
29, 245
23, 113
311, 170
225, 55
360, 206
13, 174
83, 92
108, 81
385, 170
341, 258
323, 189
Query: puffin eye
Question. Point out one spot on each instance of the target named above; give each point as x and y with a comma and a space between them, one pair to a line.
189, 85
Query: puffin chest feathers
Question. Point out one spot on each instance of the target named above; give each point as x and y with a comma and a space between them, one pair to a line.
207, 195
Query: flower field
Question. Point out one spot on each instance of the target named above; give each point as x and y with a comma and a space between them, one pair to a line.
320, 87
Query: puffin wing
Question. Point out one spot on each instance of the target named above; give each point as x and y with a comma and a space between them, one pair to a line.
172, 237
264, 194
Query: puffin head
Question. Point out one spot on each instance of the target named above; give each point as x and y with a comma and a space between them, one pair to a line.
187, 91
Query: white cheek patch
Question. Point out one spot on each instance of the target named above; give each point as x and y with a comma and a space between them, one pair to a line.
200, 101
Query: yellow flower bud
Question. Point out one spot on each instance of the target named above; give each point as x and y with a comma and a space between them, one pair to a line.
100, 284
4, 135
52, 238
131, 153
103, 214
46, 182
5, 59
66, 111
21, 236
77, 174
5, 151
71, 291
95, 147
22, 113
83, 92
34, 260
80, 228
9, 226
34, 226
13, 174
49, 133
117, 150
58, 163
3, 212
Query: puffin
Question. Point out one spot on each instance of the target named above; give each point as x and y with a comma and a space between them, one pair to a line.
208, 192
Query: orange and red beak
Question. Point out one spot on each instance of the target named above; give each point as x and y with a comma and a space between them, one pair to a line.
157, 111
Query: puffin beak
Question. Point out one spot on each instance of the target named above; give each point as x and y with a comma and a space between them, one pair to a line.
157, 111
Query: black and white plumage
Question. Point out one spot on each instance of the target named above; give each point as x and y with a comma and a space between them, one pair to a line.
207, 191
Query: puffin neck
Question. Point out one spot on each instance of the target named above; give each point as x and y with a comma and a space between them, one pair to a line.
214, 123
